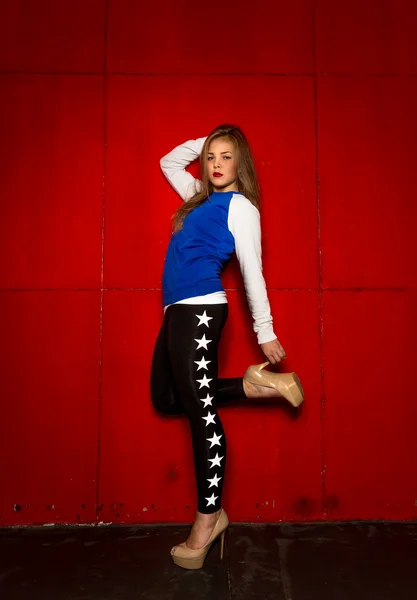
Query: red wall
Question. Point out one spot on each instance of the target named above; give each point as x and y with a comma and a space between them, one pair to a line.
93, 93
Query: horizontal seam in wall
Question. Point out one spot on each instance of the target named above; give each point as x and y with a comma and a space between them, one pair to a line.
196, 74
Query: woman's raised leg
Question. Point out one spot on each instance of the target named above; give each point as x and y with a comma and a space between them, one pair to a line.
164, 396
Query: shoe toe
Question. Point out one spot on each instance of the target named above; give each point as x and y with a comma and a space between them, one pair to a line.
177, 549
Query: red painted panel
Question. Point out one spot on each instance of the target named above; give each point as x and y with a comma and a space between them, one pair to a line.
52, 179
377, 36
371, 412
52, 36
149, 116
274, 452
274, 461
165, 37
368, 186
143, 469
49, 373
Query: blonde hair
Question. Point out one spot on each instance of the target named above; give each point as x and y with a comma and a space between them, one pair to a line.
246, 178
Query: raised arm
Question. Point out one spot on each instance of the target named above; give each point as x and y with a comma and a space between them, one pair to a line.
173, 167
244, 223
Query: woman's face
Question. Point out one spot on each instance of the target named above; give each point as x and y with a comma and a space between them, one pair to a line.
221, 165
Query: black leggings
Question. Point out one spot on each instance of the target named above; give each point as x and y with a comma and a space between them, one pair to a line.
184, 380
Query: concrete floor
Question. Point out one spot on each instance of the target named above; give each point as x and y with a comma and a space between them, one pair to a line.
360, 561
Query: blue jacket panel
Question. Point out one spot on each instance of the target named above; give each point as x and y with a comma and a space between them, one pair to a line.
197, 253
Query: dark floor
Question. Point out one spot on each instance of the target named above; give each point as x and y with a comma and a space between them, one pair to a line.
271, 562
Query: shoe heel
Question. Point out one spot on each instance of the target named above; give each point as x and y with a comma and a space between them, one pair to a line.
299, 392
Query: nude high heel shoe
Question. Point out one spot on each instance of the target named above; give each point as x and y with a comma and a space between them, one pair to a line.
194, 559
287, 385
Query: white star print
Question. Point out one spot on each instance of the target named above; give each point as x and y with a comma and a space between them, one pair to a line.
209, 419
211, 500
216, 461
207, 400
202, 364
215, 440
203, 342
204, 319
214, 481
204, 382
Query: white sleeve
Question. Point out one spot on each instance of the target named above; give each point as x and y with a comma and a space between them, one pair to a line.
173, 167
245, 226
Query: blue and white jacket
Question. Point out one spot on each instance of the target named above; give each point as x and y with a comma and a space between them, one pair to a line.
226, 222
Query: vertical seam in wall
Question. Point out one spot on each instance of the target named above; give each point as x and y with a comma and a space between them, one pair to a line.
320, 276
103, 203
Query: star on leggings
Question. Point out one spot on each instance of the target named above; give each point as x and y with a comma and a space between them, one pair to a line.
214, 481
209, 419
215, 440
204, 319
204, 382
211, 500
202, 364
202, 343
207, 400
216, 461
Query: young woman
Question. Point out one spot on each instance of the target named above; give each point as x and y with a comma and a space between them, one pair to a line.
219, 216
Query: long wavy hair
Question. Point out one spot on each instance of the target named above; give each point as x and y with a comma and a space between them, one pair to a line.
247, 180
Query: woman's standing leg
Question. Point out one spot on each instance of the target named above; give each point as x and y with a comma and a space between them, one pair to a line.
194, 333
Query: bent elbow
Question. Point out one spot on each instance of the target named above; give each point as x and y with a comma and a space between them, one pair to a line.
163, 163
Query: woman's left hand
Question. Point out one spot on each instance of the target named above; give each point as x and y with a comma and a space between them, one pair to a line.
273, 351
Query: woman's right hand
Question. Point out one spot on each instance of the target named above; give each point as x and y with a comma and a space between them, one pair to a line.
273, 351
